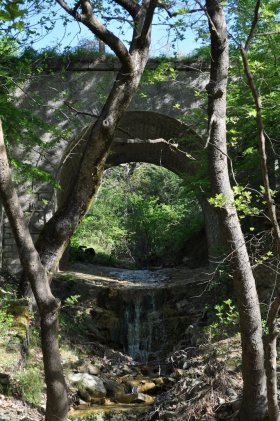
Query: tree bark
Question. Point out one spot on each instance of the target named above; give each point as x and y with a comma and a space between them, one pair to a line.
254, 401
214, 235
48, 306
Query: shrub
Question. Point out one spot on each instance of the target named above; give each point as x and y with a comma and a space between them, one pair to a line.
30, 385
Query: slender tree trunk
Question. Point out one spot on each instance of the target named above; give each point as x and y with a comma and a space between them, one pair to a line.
57, 403
270, 340
254, 402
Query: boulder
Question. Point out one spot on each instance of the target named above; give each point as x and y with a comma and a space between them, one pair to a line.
88, 385
93, 369
113, 388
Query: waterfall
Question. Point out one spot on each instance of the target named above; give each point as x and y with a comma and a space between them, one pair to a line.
143, 326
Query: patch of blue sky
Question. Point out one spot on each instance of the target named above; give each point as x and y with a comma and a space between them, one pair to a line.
71, 34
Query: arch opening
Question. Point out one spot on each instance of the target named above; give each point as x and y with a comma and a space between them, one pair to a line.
145, 137
142, 136
144, 216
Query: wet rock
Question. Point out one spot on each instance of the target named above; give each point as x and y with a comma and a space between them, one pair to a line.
113, 388
160, 381
140, 385
135, 398
88, 386
146, 386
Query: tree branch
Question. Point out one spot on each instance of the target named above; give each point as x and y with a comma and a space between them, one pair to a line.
163, 6
78, 112
150, 9
253, 26
263, 34
208, 15
97, 28
118, 18
131, 6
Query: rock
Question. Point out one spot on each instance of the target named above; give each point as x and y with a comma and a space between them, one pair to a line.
145, 386
159, 380
4, 379
97, 401
141, 397
236, 405
93, 369
113, 388
126, 369
140, 385
135, 398
84, 395
232, 394
88, 386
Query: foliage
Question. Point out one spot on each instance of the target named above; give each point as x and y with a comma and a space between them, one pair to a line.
142, 215
225, 321
6, 318
6, 321
30, 385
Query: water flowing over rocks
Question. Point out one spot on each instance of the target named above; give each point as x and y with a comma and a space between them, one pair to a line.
141, 316
142, 313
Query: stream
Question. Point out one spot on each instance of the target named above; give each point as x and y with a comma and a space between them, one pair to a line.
142, 314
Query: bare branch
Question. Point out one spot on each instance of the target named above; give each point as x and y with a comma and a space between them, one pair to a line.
163, 6
78, 112
118, 18
253, 26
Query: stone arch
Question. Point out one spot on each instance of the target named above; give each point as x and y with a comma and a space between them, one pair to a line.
150, 137
142, 136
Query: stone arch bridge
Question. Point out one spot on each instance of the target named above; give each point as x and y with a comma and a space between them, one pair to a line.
151, 131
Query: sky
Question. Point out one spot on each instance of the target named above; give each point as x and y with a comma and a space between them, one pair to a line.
73, 33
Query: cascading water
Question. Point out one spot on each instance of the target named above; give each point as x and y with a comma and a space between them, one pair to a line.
145, 313
143, 326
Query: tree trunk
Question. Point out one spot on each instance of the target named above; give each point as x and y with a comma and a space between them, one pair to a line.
56, 233
214, 236
57, 403
270, 340
254, 401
